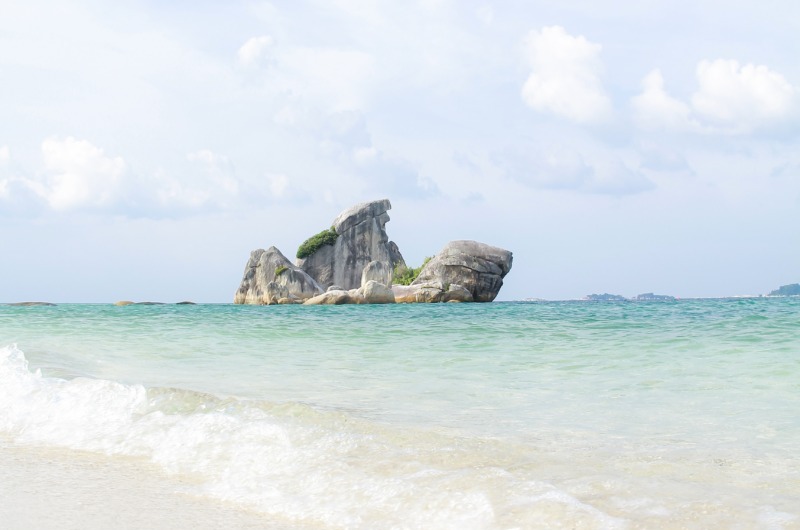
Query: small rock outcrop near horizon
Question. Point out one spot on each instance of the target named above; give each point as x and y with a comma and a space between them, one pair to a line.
354, 262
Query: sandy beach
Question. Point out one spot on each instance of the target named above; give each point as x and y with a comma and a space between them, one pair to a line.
46, 489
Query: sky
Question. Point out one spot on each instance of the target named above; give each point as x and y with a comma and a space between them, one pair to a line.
147, 147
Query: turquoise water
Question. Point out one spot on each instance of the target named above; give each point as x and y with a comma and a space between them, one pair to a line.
506, 415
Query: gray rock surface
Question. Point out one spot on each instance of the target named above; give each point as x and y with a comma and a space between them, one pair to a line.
274, 292
476, 267
457, 293
262, 285
379, 271
362, 239
419, 293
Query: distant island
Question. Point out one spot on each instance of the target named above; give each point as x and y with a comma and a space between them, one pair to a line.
656, 297
605, 297
645, 297
793, 289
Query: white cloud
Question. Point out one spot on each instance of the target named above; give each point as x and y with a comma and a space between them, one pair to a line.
336, 80
551, 168
614, 177
742, 98
564, 168
729, 99
364, 155
5, 156
329, 78
485, 14
278, 185
565, 77
655, 109
252, 51
383, 174
658, 157
210, 181
78, 175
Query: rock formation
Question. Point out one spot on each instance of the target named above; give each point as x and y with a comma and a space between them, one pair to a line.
462, 269
354, 262
361, 239
270, 278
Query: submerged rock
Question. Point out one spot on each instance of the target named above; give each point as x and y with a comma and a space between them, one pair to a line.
362, 239
269, 278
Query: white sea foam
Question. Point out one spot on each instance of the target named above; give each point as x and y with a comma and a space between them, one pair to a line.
288, 460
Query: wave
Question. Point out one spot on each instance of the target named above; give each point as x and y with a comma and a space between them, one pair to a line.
290, 460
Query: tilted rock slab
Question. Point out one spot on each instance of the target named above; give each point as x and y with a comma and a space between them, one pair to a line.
262, 285
474, 267
362, 239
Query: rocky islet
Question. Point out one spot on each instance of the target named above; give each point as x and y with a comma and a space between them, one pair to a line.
354, 263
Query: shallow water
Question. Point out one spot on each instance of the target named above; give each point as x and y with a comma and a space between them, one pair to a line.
502, 415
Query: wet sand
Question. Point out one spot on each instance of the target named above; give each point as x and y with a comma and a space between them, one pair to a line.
59, 489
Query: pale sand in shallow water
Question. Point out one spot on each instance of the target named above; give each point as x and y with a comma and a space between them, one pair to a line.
60, 489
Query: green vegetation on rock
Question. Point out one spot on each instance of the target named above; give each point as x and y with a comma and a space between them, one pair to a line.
313, 243
280, 269
406, 275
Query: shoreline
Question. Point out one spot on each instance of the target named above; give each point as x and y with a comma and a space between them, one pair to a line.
54, 488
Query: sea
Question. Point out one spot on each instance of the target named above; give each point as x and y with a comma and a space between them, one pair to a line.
677, 414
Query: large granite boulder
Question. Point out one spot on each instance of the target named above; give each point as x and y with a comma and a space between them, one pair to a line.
473, 267
376, 293
431, 292
371, 292
361, 239
270, 278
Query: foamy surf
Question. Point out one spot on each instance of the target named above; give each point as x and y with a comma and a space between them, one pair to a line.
287, 460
